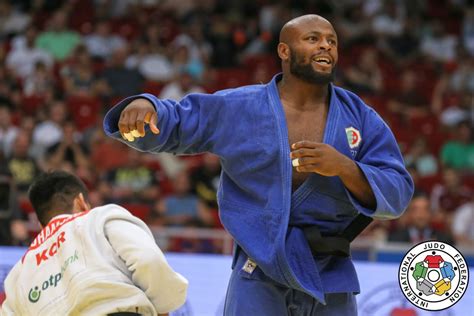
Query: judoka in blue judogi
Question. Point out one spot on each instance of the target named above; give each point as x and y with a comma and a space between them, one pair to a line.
297, 153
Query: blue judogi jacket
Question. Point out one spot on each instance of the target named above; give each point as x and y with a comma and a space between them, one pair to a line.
246, 127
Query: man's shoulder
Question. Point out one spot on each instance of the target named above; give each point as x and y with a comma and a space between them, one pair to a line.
109, 210
242, 91
113, 213
350, 99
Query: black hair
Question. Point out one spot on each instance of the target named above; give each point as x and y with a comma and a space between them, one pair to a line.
53, 193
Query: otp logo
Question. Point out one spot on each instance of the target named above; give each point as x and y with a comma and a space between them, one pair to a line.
51, 251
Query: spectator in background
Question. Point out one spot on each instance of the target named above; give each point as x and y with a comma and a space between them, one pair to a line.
101, 44
27, 124
155, 36
419, 156
6, 201
447, 197
58, 40
152, 63
24, 56
364, 76
49, 131
68, 152
23, 170
120, 80
40, 82
468, 30
463, 224
462, 79
131, 183
418, 224
182, 61
205, 180
200, 50
408, 102
389, 20
459, 152
105, 154
181, 86
439, 46
114, 9
184, 208
78, 76
12, 21
403, 48
151, 57
272, 16
353, 26
21, 164
8, 131
138, 51
156, 66
7, 82
463, 111
220, 36
13, 223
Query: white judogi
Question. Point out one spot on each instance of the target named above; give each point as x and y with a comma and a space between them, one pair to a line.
93, 263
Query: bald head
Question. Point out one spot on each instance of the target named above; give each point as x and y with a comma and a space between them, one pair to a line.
308, 49
296, 26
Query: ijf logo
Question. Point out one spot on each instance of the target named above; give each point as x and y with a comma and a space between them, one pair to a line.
433, 275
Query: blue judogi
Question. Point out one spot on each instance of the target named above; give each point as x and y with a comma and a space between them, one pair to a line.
246, 128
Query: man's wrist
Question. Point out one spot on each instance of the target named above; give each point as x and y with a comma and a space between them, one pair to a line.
347, 167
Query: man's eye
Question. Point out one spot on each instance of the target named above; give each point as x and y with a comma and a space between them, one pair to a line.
312, 38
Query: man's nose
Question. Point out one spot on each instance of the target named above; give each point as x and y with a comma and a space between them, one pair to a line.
324, 44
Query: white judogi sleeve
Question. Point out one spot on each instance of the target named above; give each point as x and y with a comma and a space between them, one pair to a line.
10, 306
150, 271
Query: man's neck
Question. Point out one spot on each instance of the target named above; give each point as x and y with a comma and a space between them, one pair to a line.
302, 95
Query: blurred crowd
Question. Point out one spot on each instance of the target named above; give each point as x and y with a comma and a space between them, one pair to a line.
64, 63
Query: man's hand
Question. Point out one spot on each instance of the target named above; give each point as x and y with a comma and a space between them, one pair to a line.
134, 117
319, 158
327, 161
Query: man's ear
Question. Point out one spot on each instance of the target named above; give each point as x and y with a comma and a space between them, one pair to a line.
80, 204
283, 51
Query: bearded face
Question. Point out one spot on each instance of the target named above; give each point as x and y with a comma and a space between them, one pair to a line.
304, 69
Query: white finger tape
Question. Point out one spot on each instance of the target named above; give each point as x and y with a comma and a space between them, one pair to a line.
129, 137
295, 162
135, 133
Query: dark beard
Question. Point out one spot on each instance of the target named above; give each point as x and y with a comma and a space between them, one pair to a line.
305, 71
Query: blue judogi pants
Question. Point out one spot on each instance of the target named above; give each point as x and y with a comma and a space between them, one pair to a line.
254, 294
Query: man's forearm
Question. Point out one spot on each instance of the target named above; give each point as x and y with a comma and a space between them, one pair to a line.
355, 181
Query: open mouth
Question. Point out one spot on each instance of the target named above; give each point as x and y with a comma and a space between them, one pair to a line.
322, 60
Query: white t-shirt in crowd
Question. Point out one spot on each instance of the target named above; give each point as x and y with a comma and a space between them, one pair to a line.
93, 263
463, 221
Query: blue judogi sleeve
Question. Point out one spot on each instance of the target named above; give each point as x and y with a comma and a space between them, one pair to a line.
381, 162
198, 111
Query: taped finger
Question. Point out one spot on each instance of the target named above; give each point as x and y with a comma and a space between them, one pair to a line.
135, 133
129, 137
295, 162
